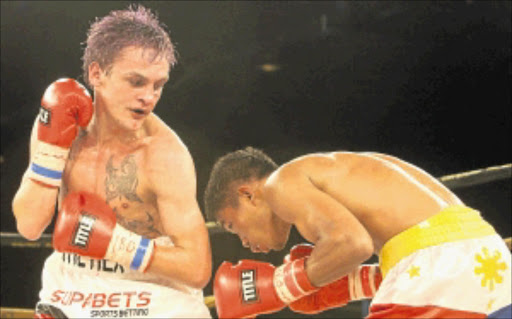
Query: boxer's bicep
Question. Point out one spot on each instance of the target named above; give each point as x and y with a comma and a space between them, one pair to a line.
182, 220
173, 179
314, 213
341, 241
174, 183
184, 224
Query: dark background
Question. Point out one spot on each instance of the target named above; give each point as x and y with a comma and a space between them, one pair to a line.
426, 81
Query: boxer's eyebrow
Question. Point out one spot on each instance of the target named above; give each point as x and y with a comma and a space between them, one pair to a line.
162, 81
136, 79
135, 75
142, 79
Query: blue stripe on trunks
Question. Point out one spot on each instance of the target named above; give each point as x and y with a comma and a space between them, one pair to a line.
505, 312
139, 254
43, 171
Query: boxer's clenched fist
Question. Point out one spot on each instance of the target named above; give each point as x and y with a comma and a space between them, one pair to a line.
252, 287
362, 283
87, 226
65, 106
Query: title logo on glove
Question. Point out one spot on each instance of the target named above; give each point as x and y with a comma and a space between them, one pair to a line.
44, 116
247, 278
83, 230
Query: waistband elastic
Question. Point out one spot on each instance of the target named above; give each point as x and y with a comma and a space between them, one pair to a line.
451, 224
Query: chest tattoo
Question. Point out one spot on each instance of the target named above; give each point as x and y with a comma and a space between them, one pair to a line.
121, 182
146, 227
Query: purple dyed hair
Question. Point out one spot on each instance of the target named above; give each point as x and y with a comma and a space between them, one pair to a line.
134, 26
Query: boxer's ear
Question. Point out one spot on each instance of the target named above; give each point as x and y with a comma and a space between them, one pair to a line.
95, 74
245, 192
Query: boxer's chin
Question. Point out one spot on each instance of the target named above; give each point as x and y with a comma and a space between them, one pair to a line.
133, 124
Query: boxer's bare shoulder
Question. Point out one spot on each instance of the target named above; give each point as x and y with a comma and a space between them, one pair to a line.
126, 175
322, 170
384, 196
162, 140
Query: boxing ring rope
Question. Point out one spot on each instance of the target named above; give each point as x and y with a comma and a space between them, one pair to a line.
458, 180
477, 177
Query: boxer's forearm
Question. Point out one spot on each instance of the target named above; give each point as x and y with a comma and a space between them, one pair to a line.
180, 264
333, 258
33, 207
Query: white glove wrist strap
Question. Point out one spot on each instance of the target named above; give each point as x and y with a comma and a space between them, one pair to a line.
129, 249
291, 282
362, 282
48, 162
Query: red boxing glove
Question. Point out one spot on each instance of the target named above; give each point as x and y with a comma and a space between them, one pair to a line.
251, 287
299, 251
65, 106
360, 284
87, 226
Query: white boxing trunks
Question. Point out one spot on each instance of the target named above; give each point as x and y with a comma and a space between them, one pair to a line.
79, 287
453, 265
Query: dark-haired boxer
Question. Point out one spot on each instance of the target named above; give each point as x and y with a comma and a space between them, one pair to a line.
130, 239
438, 258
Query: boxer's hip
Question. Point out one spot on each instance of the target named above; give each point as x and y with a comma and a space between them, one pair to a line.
452, 224
451, 265
74, 265
82, 287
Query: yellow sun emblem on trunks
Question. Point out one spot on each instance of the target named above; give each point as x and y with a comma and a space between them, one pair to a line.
490, 267
490, 303
414, 271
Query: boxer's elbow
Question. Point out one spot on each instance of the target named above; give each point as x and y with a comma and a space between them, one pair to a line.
196, 272
361, 243
363, 248
360, 247
200, 282
25, 225
201, 276
197, 280
28, 231
31, 219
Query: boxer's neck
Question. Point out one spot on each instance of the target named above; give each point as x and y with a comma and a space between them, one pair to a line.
105, 130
